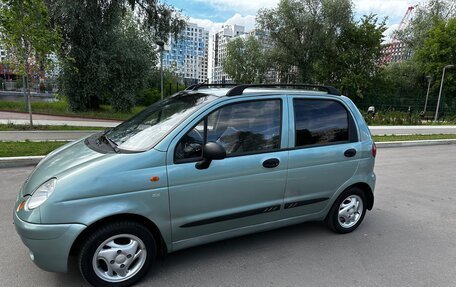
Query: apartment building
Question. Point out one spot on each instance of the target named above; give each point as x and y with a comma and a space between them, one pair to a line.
219, 41
188, 55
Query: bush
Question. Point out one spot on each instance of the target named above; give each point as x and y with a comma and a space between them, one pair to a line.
148, 96
19, 83
393, 118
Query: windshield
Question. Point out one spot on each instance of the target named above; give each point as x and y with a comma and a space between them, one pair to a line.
147, 128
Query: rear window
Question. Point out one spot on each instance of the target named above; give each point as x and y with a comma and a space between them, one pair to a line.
319, 122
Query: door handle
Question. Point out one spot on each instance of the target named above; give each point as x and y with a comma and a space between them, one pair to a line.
350, 152
271, 163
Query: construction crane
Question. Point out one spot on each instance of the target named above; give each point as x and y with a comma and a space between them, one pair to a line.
395, 44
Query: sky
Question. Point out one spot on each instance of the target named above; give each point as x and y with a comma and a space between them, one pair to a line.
212, 14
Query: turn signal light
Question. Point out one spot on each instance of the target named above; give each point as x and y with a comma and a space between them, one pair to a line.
21, 206
154, 178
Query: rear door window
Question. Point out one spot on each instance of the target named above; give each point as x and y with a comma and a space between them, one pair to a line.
320, 122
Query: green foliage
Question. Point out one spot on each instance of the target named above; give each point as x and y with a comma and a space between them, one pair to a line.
437, 51
301, 33
62, 108
246, 61
27, 148
394, 118
108, 49
352, 64
26, 32
319, 41
425, 16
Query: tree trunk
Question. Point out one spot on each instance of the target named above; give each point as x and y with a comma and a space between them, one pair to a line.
29, 100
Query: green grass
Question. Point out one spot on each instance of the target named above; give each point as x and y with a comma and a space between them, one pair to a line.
61, 108
9, 149
13, 127
390, 138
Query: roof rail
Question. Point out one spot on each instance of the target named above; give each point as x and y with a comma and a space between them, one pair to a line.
239, 89
195, 87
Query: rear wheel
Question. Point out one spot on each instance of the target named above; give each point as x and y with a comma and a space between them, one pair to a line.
348, 211
118, 254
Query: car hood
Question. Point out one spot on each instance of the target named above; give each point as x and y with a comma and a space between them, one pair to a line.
72, 156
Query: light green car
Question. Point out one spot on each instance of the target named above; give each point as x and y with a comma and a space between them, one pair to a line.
206, 164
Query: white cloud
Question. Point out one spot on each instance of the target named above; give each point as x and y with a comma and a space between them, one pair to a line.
394, 9
247, 21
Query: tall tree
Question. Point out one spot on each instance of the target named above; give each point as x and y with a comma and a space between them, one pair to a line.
351, 63
28, 36
301, 30
98, 62
246, 61
437, 51
426, 15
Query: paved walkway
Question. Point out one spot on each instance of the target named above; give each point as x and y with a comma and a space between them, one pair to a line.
23, 119
43, 135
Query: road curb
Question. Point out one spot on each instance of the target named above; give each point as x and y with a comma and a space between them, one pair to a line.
21, 161
414, 143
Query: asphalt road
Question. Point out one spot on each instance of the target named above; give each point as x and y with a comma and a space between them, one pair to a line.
408, 239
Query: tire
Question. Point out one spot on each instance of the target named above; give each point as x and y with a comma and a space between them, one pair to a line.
350, 220
126, 247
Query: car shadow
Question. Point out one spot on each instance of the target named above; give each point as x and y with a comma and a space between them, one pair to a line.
176, 262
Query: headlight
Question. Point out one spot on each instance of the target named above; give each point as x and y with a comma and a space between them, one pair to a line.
41, 194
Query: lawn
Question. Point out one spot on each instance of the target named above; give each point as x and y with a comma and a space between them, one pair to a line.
13, 127
8, 149
61, 108
390, 138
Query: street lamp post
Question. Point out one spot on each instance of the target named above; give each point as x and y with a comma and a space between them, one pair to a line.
427, 94
161, 44
440, 92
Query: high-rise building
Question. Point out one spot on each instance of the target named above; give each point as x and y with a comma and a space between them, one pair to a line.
219, 41
187, 56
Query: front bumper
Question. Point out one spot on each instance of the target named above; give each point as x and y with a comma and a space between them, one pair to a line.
49, 244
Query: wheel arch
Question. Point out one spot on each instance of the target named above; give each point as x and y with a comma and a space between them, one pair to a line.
162, 249
367, 191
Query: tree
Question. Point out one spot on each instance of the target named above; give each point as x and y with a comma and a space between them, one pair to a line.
301, 30
28, 36
426, 15
351, 64
437, 51
246, 61
104, 47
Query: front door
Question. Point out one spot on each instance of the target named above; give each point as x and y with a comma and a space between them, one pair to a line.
239, 190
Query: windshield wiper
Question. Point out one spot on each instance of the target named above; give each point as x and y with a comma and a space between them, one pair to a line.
110, 142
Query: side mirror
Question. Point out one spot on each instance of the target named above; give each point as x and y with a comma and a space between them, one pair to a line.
211, 151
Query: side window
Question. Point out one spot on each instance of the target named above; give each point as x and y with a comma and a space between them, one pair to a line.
190, 146
246, 127
319, 122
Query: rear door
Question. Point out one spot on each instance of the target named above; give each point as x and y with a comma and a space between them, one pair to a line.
323, 154
239, 190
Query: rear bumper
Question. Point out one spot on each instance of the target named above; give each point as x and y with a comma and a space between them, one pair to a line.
49, 244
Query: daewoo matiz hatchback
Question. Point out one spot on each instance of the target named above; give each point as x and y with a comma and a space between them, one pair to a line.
206, 164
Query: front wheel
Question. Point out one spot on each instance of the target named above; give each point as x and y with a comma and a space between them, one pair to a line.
347, 212
118, 254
